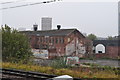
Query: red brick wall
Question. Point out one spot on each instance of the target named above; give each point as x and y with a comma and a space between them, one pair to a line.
101, 55
58, 47
32, 41
52, 53
111, 52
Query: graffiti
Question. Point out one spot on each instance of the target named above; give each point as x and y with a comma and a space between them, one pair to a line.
72, 60
40, 53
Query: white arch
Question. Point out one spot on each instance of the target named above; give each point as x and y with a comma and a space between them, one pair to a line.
100, 48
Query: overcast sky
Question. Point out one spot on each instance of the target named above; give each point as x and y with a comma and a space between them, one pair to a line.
99, 18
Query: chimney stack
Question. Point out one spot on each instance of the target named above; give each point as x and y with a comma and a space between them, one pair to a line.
35, 27
58, 27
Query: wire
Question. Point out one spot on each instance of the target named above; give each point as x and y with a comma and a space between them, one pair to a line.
28, 4
12, 2
7, 2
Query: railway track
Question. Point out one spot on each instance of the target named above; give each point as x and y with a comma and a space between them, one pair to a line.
26, 75
13, 74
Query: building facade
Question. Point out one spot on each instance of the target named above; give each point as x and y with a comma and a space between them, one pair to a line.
63, 42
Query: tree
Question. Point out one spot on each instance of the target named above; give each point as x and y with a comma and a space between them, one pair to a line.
110, 38
15, 46
92, 37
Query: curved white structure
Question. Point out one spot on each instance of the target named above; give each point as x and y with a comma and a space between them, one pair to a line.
100, 48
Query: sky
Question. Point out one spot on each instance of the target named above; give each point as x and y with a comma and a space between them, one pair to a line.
99, 17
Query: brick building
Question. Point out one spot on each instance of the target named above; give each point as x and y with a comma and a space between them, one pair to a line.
106, 48
60, 42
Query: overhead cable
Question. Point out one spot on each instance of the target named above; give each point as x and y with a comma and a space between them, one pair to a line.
12, 2
28, 4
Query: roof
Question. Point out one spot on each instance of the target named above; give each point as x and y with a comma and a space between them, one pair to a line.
55, 32
107, 42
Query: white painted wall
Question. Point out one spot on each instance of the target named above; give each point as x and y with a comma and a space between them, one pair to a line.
70, 48
82, 50
79, 48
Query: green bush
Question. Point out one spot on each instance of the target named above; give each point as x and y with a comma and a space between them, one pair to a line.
59, 63
15, 46
91, 64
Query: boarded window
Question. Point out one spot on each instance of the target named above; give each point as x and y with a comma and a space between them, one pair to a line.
56, 40
52, 40
41, 39
37, 39
62, 40
47, 40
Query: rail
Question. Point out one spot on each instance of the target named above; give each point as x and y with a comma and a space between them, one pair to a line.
27, 74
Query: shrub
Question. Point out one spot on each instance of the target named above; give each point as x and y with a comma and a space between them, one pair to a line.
59, 63
15, 46
62, 71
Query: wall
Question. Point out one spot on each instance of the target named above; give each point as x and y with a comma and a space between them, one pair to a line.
70, 48
73, 43
111, 52
76, 45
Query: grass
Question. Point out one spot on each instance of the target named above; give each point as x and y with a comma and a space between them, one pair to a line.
74, 72
91, 64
